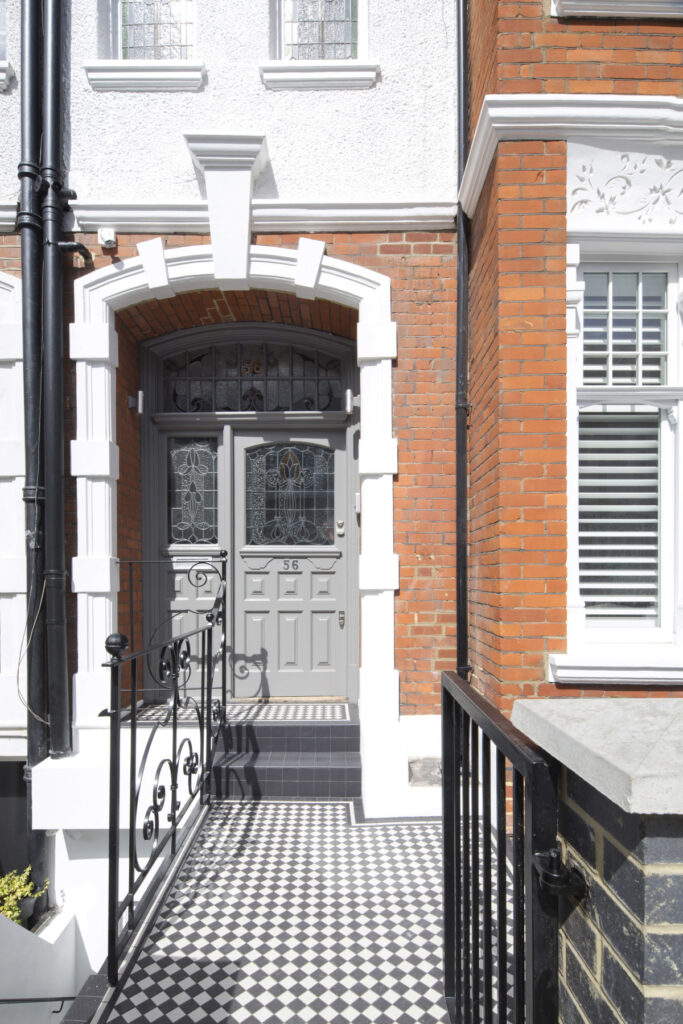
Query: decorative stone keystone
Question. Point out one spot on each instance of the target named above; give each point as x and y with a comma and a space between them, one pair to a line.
229, 165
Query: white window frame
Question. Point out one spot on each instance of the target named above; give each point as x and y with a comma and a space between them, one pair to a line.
278, 43
5, 69
191, 40
351, 73
123, 74
605, 655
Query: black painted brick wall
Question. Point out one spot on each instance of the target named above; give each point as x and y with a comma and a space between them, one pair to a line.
623, 943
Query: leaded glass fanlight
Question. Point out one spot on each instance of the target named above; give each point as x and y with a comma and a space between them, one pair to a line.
193, 490
290, 494
255, 377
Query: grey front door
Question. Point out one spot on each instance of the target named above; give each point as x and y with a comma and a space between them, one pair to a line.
289, 553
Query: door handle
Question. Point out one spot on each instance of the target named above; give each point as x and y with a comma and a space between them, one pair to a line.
342, 619
341, 530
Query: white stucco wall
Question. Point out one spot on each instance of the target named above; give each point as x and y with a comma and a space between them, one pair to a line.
10, 124
394, 141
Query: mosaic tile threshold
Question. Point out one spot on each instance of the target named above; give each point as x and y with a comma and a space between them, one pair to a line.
293, 913
276, 712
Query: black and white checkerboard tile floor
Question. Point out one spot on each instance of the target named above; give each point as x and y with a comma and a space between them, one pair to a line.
292, 913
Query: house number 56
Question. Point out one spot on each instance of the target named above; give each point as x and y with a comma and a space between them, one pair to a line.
290, 563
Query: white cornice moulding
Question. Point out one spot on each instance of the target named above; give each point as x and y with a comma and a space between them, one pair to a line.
145, 75
267, 215
216, 151
6, 74
634, 9
657, 119
318, 74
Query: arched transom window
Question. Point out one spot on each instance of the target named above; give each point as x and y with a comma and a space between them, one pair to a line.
252, 377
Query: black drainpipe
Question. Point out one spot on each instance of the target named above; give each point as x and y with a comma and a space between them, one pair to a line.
30, 227
462, 407
53, 343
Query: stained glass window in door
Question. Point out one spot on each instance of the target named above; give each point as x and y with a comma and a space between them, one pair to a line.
290, 494
192, 490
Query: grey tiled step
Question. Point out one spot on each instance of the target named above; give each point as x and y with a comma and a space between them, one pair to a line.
282, 775
256, 736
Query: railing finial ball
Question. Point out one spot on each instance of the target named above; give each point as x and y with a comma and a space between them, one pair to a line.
116, 643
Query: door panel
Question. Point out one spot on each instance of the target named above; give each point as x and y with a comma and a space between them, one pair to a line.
289, 563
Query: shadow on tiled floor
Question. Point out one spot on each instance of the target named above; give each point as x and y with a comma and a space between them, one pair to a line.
293, 913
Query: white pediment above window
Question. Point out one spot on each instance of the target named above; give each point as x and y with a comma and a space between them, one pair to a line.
632, 9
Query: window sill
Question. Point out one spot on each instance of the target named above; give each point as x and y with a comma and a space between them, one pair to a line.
5, 74
638, 9
640, 668
318, 74
145, 75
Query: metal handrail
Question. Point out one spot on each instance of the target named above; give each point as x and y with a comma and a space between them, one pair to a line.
517, 748
489, 880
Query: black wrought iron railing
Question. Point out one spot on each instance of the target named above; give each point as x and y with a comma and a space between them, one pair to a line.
160, 767
502, 869
148, 610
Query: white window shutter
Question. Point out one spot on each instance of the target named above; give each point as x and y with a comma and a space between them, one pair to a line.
619, 513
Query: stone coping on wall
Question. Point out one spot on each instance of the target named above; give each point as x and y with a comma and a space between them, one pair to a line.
630, 749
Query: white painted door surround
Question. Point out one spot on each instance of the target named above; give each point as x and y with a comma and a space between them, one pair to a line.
158, 273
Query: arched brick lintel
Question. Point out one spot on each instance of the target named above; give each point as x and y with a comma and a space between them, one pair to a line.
208, 307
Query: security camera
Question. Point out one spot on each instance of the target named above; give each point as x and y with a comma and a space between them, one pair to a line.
106, 237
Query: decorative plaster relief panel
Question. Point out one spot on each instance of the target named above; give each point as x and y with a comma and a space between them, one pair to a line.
616, 190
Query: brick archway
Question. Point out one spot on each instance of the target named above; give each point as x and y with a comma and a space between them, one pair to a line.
131, 293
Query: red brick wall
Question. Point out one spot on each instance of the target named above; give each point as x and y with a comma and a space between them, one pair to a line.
484, 441
10, 254
129, 489
518, 421
536, 53
482, 67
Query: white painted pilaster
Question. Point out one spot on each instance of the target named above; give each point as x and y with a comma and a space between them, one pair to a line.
95, 464
12, 555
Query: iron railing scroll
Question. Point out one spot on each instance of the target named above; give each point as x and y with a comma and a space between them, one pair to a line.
163, 759
502, 868
203, 577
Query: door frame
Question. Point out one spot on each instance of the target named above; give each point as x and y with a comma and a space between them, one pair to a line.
157, 426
